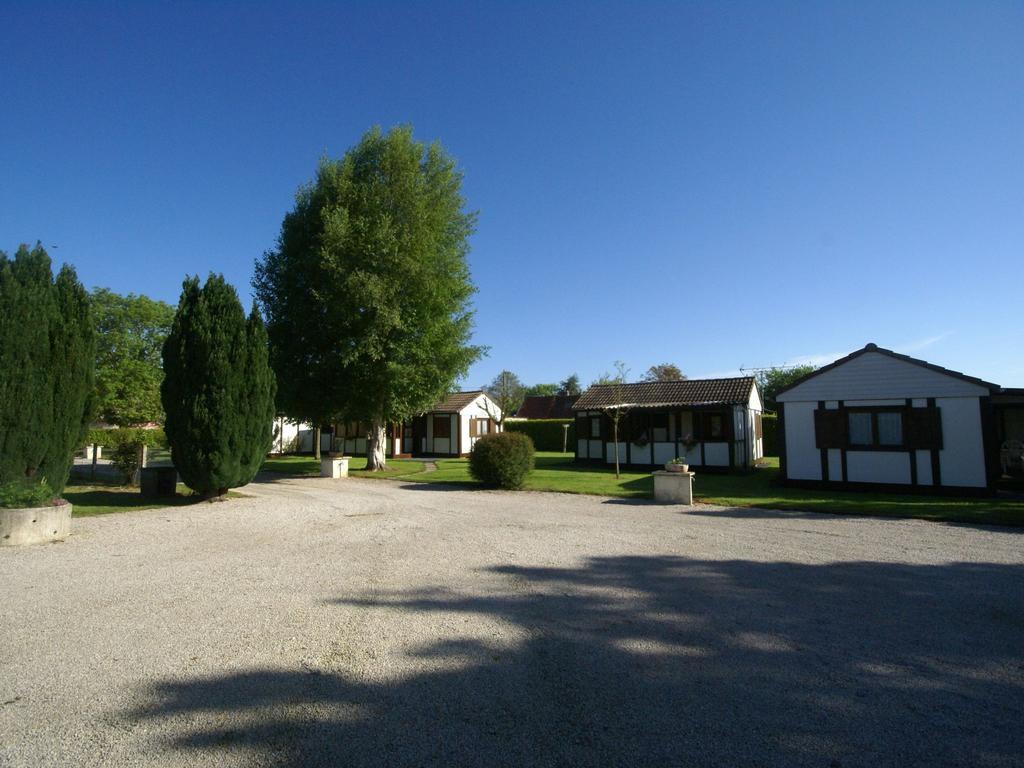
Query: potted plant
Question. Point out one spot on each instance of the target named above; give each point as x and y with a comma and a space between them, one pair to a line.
677, 465
30, 513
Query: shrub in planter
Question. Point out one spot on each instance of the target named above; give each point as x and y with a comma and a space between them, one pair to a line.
503, 459
25, 494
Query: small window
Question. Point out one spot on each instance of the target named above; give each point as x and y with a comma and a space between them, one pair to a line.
860, 428
713, 426
595, 427
659, 427
442, 426
890, 428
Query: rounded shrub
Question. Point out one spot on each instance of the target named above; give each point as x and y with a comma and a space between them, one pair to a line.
503, 459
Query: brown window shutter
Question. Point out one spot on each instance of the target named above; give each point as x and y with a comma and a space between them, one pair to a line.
924, 428
757, 426
829, 428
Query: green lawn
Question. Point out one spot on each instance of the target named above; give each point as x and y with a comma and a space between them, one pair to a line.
307, 466
91, 499
760, 488
554, 472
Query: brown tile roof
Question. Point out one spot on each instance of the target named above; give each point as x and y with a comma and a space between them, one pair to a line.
456, 401
651, 394
546, 407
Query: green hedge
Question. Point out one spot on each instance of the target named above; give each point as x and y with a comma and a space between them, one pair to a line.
546, 434
770, 433
112, 438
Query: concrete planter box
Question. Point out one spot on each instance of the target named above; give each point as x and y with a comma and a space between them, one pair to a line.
334, 467
158, 481
36, 525
673, 487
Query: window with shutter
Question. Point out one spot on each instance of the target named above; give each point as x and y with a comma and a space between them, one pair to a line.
924, 428
860, 430
829, 428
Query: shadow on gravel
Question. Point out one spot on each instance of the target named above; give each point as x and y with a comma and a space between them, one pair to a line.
657, 661
763, 513
440, 486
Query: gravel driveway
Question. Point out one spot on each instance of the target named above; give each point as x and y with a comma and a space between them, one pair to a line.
361, 622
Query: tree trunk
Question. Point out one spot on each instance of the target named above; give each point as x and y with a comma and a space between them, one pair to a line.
376, 444
615, 432
316, 443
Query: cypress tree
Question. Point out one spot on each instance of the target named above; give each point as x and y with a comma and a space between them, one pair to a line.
73, 353
218, 389
46, 367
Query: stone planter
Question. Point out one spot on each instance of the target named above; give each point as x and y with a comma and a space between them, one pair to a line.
673, 487
669, 467
334, 467
35, 525
158, 481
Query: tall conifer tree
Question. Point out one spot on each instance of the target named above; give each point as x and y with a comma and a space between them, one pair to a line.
46, 367
218, 389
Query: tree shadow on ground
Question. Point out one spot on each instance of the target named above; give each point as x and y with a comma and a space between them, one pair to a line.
651, 661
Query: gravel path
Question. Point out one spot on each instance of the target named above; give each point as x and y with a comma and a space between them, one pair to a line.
362, 622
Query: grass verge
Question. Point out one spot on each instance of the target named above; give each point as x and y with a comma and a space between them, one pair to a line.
759, 488
307, 466
92, 499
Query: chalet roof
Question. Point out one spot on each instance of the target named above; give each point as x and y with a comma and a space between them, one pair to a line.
667, 394
546, 407
871, 347
456, 401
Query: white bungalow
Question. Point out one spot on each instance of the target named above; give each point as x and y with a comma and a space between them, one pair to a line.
450, 428
878, 419
714, 423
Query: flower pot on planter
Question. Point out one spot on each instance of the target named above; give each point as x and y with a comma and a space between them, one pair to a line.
35, 525
670, 467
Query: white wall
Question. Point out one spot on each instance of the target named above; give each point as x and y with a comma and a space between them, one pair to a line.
876, 467
640, 454
285, 432
803, 459
664, 452
610, 457
962, 458
478, 409
874, 376
716, 454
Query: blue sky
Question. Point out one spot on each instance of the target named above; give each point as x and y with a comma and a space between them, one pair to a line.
716, 185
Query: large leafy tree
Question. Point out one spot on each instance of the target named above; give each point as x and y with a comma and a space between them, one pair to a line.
46, 367
540, 390
772, 380
507, 392
569, 386
218, 388
664, 372
130, 334
367, 294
